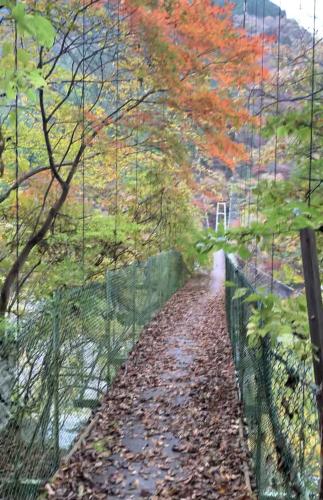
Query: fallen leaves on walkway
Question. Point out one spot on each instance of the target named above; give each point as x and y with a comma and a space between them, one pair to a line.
169, 427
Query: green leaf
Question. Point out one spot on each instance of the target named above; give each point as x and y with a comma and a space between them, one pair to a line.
253, 297
23, 56
18, 13
6, 49
230, 284
243, 252
12, 117
240, 292
10, 91
36, 78
32, 95
43, 29
282, 131
36, 25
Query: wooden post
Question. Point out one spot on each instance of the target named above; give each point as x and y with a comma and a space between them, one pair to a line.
315, 318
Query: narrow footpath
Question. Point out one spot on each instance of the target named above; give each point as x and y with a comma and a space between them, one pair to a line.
169, 427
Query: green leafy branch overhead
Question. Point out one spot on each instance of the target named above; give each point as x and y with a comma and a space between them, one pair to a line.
32, 28
282, 321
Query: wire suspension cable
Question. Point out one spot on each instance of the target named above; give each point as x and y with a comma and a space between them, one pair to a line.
277, 92
276, 135
83, 141
261, 96
117, 139
136, 173
244, 13
309, 193
255, 31
139, 84
17, 174
248, 167
260, 121
253, 105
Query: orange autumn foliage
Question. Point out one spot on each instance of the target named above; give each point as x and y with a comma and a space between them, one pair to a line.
201, 63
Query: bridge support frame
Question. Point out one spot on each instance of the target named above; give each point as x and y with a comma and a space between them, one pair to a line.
221, 213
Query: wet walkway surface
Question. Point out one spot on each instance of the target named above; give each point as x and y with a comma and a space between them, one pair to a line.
169, 427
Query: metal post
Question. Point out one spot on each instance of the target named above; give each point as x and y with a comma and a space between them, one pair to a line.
230, 210
315, 318
225, 216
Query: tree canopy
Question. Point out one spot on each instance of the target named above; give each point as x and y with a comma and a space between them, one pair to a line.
104, 107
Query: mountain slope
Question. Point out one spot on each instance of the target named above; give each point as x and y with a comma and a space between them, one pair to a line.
254, 7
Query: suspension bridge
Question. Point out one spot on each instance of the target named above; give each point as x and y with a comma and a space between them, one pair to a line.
171, 424
127, 369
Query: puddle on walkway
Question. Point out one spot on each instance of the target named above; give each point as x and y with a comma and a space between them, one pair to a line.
218, 272
182, 358
174, 375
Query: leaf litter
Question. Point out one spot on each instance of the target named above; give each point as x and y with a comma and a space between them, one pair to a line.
169, 426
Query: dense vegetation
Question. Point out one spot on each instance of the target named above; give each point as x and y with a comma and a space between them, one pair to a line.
102, 116
281, 187
121, 125
109, 113
101, 164
110, 121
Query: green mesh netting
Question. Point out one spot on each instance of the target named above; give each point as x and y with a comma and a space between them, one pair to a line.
68, 351
278, 395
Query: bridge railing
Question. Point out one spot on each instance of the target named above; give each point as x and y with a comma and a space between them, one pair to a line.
278, 397
66, 353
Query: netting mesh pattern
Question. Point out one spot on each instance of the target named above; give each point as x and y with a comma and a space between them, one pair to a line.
278, 396
68, 351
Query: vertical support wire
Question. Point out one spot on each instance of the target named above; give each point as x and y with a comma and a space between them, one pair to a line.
163, 212
17, 222
260, 126
56, 375
17, 176
83, 351
277, 90
276, 137
246, 170
117, 139
83, 143
254, 113
310, 168
136, 170
244, 13
251, 163
135, 274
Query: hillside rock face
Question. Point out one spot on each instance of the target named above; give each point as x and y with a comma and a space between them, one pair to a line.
295, 38
290, 31
254, 7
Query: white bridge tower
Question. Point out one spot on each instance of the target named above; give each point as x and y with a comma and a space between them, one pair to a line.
221, 215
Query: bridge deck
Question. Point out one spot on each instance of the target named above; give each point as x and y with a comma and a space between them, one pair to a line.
169, 427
